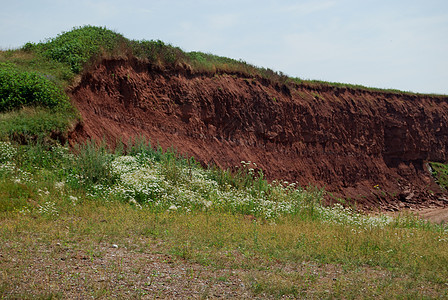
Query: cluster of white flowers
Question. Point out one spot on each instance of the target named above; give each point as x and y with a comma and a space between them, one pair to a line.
7, 151
7, 167
73, 200
74, 179
59, 185
347, 216
22, 176
141, 181
63, 152
43, 192
124, 164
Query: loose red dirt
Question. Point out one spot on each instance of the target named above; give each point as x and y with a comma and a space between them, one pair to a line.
366, 146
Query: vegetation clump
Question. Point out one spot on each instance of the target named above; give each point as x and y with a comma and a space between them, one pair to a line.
79, 46
20, 88
440, 171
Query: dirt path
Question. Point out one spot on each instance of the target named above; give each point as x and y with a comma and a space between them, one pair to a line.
436, 215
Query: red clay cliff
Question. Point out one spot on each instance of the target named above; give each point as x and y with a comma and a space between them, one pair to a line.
367, 146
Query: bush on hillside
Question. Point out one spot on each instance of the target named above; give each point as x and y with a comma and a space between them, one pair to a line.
19, 88
78, 46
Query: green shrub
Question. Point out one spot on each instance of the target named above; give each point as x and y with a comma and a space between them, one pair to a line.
93, 164
18, 89
80, 45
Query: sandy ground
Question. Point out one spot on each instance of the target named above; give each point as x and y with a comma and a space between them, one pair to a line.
436, 215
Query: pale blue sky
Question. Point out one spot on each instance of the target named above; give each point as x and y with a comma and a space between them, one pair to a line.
385, 43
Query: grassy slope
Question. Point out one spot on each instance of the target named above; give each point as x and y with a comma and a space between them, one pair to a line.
61, 211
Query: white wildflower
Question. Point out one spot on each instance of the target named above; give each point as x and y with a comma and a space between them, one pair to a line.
7, 151
59, 185
73, 199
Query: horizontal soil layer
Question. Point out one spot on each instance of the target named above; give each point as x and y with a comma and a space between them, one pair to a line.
370, 147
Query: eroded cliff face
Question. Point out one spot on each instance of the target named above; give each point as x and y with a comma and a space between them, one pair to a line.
368, 146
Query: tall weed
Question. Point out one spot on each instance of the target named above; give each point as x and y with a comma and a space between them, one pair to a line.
92, 164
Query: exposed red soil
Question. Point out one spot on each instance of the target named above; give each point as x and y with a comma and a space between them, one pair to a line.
369, 146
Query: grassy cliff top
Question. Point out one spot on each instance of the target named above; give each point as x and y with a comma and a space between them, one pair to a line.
33, 78
71, 52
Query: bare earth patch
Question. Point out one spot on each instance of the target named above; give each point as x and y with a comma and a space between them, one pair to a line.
105, 271
435, 215
85, 269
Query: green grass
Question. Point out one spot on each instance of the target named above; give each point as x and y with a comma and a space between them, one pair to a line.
279, 241
32, 124
30, 61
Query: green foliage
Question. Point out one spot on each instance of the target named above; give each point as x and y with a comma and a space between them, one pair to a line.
157, 51
92, 164
206, 62
13, 195
213, 63
18, 89
32, 124
80, 45
440, 171
27, 61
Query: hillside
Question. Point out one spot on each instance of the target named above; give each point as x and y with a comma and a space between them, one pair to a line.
100, 197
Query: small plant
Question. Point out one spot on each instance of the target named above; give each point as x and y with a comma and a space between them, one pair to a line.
48, 209
440, 171
93, 164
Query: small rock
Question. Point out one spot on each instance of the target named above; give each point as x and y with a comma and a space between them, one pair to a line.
410, 196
